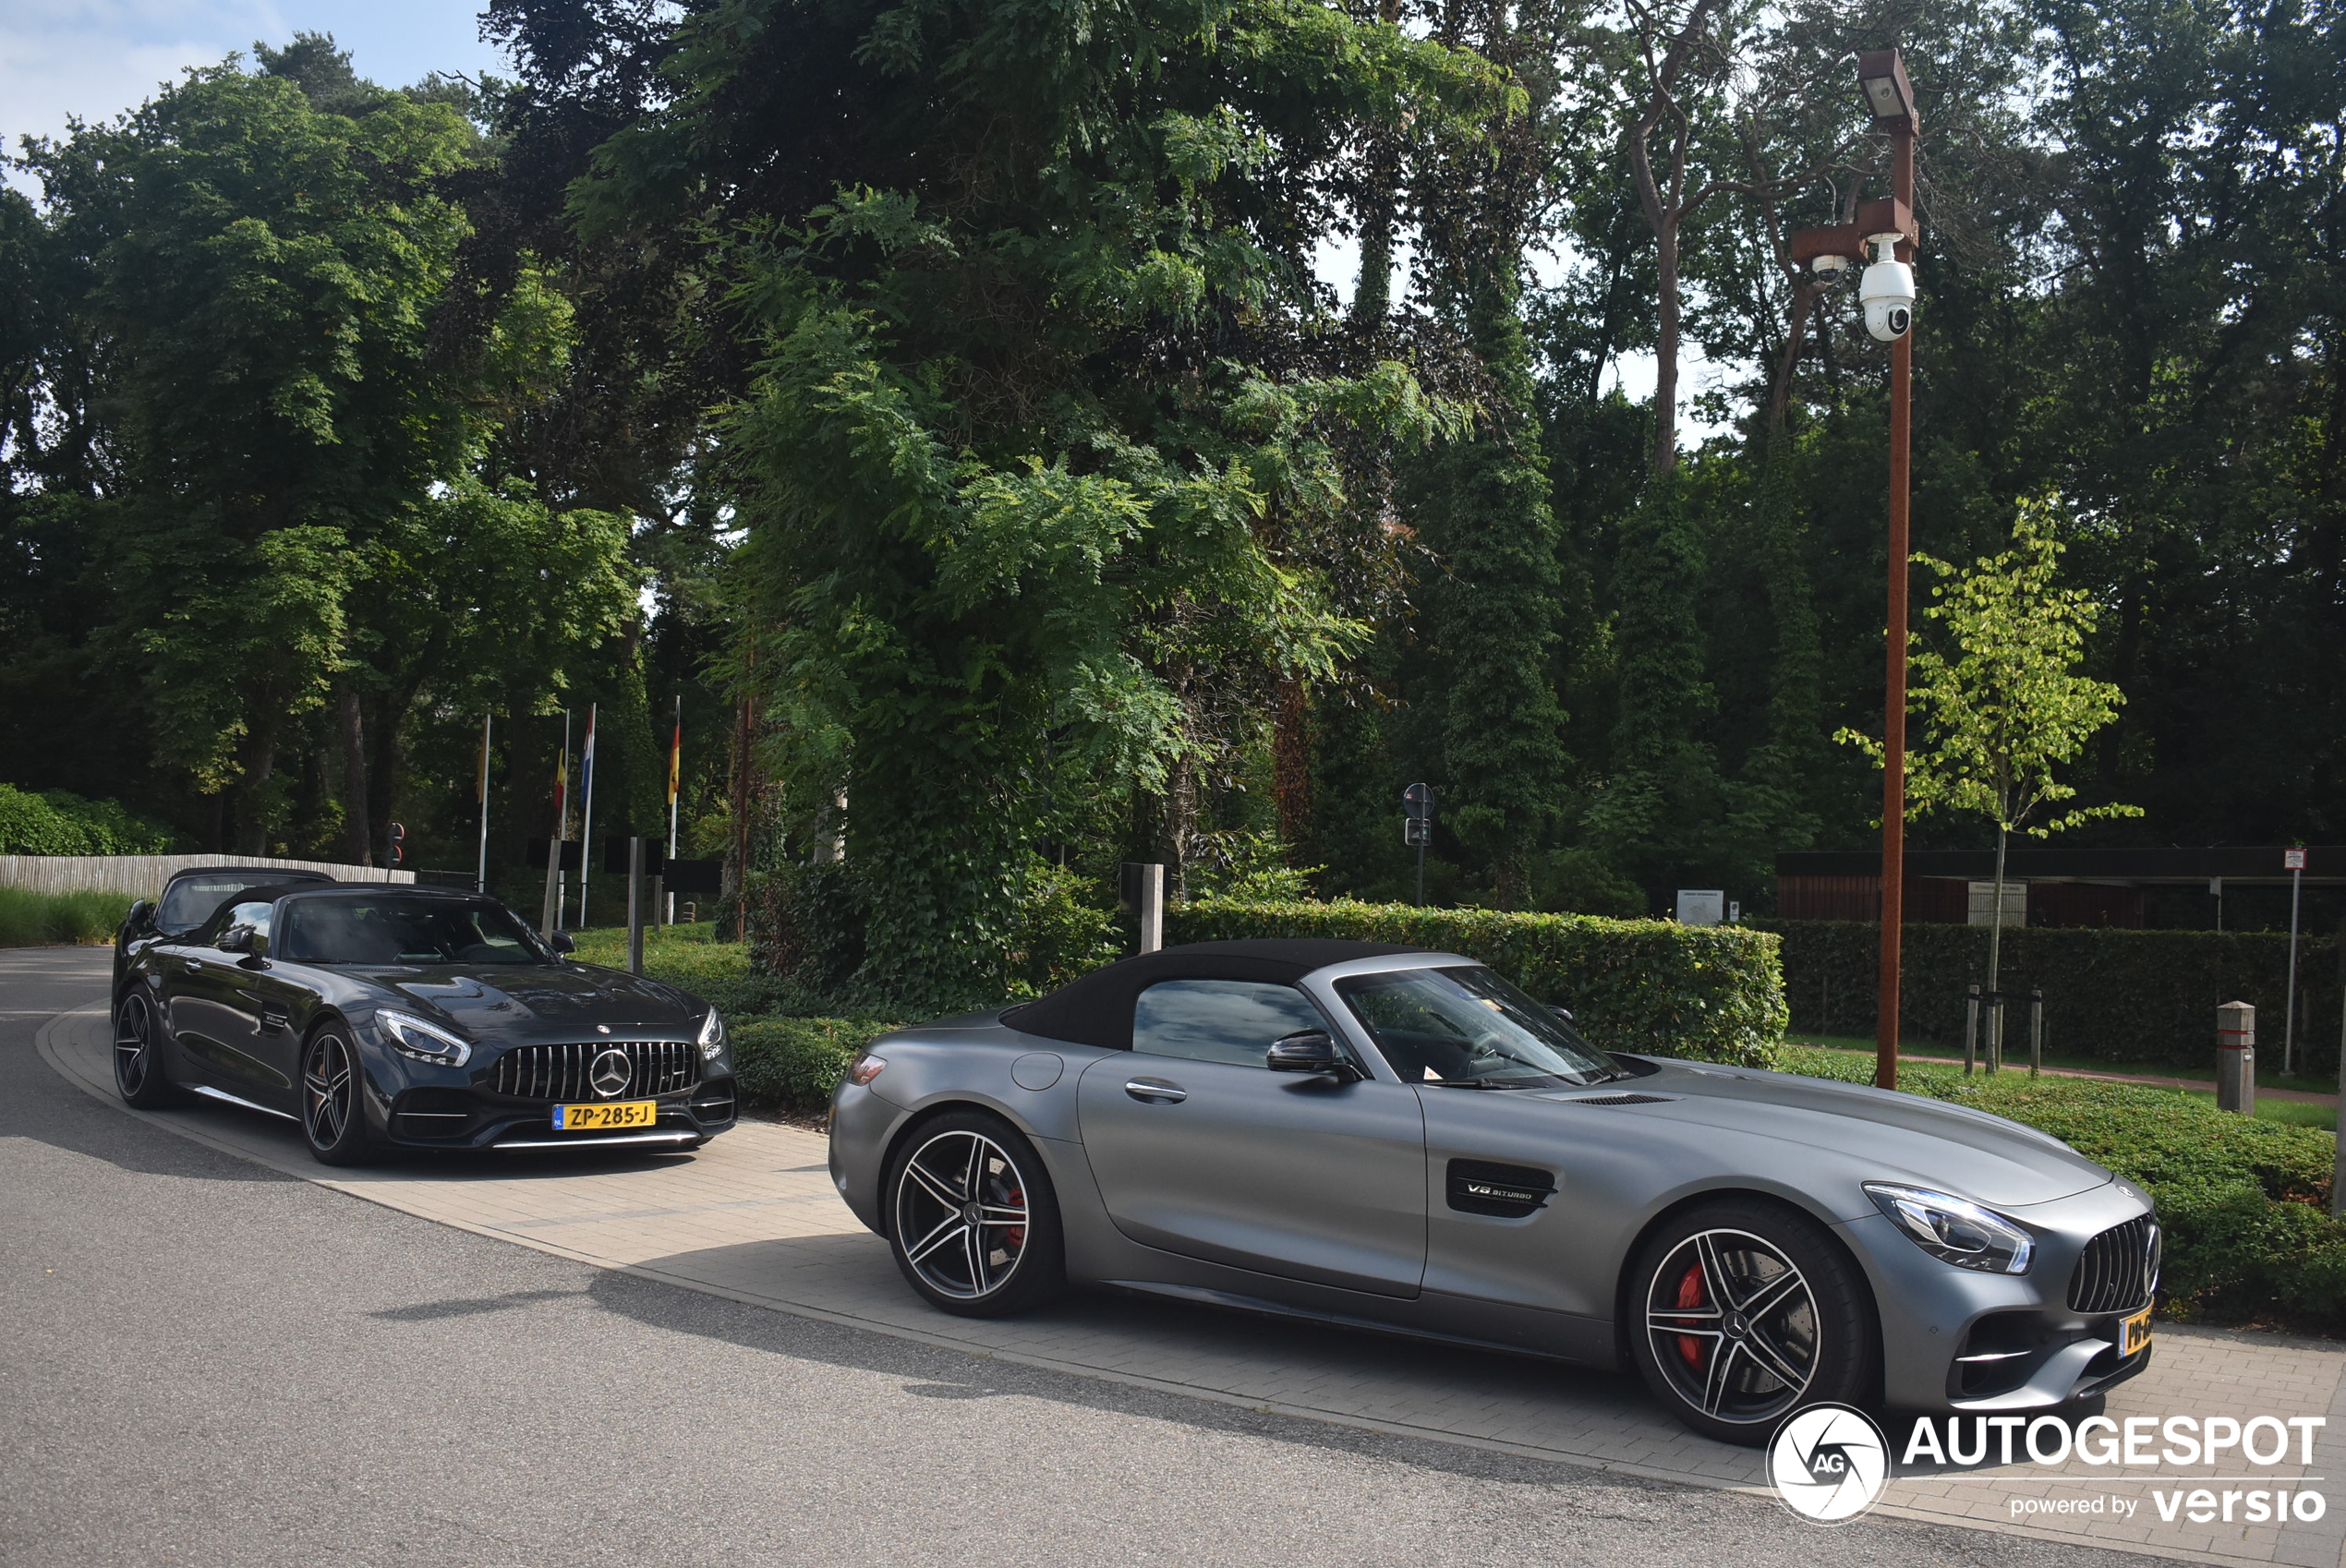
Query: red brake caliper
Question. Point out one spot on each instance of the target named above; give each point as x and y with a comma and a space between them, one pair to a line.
1015, 1236
1690, 1296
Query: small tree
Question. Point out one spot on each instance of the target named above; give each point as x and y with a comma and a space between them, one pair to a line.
2004, 705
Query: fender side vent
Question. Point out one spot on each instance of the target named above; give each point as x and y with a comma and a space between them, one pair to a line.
1509, 1192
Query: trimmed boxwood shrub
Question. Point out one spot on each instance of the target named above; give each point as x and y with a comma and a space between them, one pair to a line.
2120, 995
2246, 1204
1715, 993
797, 1062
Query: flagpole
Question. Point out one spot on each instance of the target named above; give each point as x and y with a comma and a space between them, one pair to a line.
550, 917
586, 823
480, 879
675, 763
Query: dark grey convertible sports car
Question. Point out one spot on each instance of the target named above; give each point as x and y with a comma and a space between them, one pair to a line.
1401, 1139
381, 1014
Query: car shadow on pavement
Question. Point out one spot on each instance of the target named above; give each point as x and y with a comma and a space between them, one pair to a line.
944, 1373
1251, 1361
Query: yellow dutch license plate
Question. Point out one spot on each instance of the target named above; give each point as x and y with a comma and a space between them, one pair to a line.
618, 1113
2133, 1334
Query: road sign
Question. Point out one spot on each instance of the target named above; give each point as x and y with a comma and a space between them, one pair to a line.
1416, 832
2292, 859
1417, 801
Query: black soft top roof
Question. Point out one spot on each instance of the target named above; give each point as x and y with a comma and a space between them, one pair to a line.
1097, 1009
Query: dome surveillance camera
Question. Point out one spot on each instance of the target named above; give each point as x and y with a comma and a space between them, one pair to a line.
1887, 291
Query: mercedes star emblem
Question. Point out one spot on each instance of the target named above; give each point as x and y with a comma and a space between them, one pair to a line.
610, 1074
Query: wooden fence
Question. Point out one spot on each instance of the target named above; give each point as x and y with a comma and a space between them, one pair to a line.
143, 875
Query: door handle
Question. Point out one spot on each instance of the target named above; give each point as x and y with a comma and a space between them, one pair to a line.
1155, 1091
191, 966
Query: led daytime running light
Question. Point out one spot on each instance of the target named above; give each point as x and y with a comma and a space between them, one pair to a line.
1955, 1230
411, 1036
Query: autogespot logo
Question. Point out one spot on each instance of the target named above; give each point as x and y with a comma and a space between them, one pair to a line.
1829, 1463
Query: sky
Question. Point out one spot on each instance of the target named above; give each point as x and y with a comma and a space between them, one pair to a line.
97, 58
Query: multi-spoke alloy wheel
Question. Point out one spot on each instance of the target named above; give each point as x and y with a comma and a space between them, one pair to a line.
331, 1109
1735, 1325
1746, 1313
972, 1218
138, 1076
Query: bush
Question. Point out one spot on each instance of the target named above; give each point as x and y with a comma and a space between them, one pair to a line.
56, 823
797, 1062
30, 919
2117, 995
1714, 993
806, 926
2245, 1203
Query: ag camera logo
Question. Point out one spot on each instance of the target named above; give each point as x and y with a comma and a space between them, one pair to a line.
1829, 1463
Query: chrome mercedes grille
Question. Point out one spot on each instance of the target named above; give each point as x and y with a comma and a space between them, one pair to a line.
2118, 1270
561, 1072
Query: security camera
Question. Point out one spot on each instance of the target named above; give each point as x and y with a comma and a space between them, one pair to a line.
1887, 291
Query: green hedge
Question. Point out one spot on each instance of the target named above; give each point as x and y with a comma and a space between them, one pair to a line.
2246, 1204
797, 1062
56, 822
1715, 993
2118, 995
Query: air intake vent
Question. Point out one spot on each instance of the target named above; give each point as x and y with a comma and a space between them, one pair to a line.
2119, 1269
1507, 1192
1617, 1099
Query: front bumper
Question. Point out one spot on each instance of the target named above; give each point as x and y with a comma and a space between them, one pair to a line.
448, 1116
1956, 1341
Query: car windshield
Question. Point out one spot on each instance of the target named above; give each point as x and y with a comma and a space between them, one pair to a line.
1469, 1029
395, 930
191, 900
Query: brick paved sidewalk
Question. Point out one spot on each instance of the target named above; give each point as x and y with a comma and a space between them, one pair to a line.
752, 1216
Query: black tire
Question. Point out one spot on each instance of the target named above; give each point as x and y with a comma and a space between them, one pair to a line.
140, 1076
1796, 1325
333, 1099
1016, 1258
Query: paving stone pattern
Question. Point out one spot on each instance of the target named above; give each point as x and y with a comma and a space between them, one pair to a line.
752, 1216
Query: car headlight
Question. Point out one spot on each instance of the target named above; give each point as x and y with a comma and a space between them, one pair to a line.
1955, 1230
712, 1036
411, 1036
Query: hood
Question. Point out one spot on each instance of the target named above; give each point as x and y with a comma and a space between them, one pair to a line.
1906, 1137
498, 1001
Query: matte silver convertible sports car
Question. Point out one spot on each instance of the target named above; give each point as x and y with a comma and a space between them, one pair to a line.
1401, 1139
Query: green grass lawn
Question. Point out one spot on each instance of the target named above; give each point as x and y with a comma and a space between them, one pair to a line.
32, 920
2294, 1113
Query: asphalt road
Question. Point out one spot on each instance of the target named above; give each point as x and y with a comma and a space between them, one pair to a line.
209, 1363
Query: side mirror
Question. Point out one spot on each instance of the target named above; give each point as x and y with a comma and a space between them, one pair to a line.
140, 920
1564, 1013
235, 939
560, 942
1310, 1051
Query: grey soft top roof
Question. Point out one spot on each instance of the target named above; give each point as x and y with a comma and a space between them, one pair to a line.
1097, 1008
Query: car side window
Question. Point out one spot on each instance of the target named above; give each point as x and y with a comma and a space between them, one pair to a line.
254, 915
1232, 1021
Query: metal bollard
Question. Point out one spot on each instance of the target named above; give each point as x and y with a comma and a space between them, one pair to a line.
1970, 1026
2236, 1058
2036, 1033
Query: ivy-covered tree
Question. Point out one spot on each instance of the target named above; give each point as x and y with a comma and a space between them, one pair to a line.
1039, 400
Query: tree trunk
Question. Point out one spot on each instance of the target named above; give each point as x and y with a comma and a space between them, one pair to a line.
1291, 764
358, 844
1665, 349
1176, 824
1996, 919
